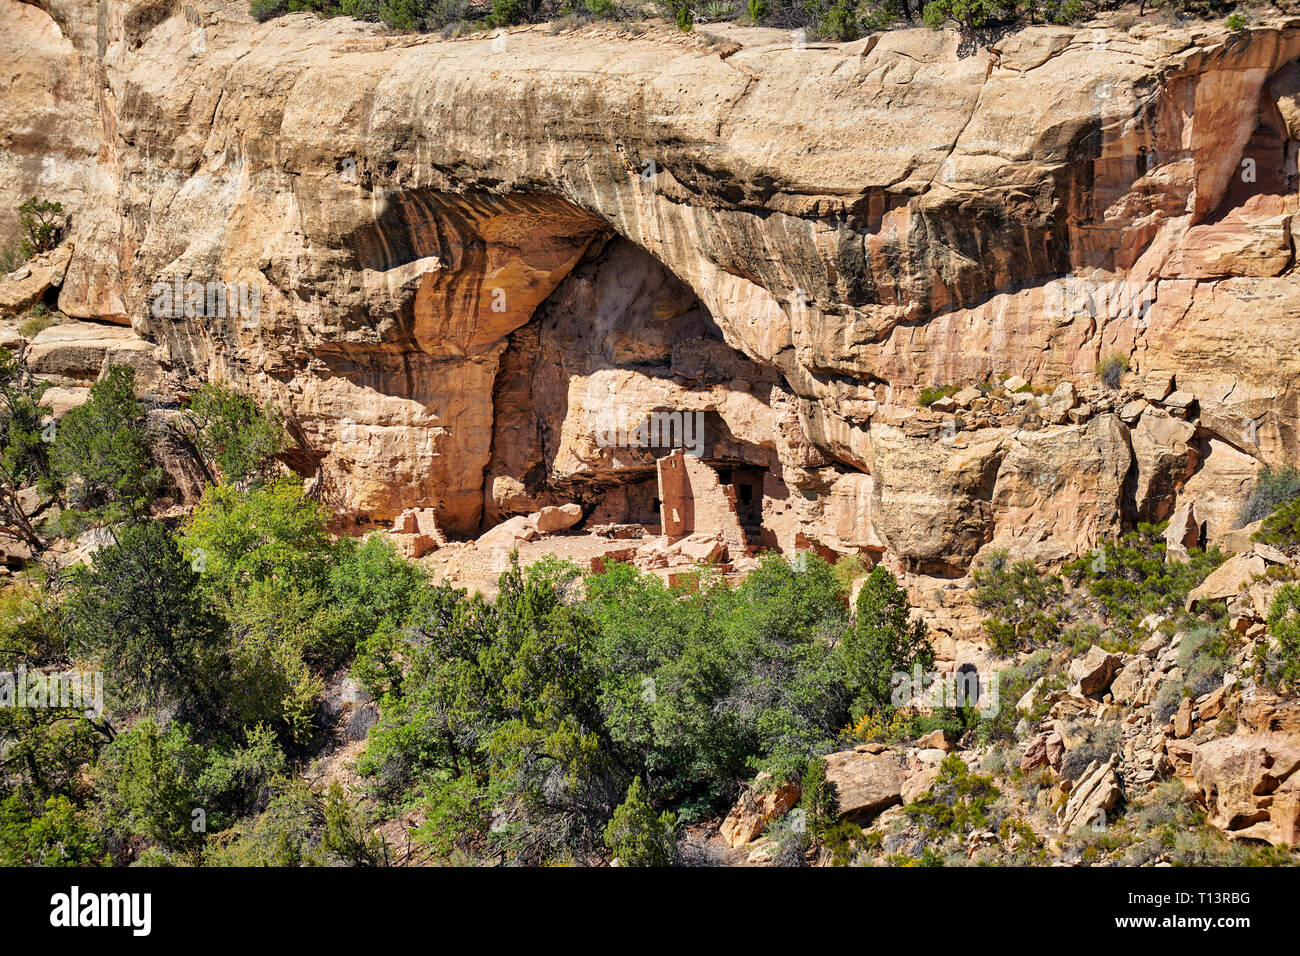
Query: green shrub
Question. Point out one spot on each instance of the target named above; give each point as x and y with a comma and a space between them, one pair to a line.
1282, 527
1283, 665
1235, 22
1274, 487
507, 13
139, 611
1062, 11
285, 834
1130, 577
102, 452
929, 395
839, 22
635, 835
58, 835
969, 14
263, 10
11, 258
148, 777
1013, 683
42, 222
818, 801
956, 803
271, 533
882, 641
38, 320
1023, 606
24, 449
453, 816
347, 839
1099, 742
237, 437
1203, 657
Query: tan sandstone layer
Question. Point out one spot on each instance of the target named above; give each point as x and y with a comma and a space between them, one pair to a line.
466, 257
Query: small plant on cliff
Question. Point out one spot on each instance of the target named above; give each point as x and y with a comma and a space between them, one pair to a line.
1130, 577
931, 394
819, 804
636, 835
956, 803
1236, 22
1203, 655
1283, 665
1274, 487
1023, 606
1111, 369
1281, 528
263, 10
38, 320
10, 259
42, 222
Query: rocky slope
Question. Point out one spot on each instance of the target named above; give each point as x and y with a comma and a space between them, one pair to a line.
459, 255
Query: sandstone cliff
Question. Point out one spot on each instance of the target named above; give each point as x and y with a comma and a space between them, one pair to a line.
463, 255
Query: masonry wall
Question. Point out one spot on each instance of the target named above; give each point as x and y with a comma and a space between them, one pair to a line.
694, 501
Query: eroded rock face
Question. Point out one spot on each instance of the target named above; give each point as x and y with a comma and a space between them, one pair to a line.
1248, 781
462, 256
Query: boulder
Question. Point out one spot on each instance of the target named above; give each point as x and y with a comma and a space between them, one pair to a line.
1152, 645
28, 284
1182, 720
1180, 754
936, 740
1044, 750
1156, 385
755, 809
1124, 688
78, 353
1228, 580
1183, 532
509, 533
1239, 539
1095, 670
865, 783
551, 519
1096, 793
1063, 399
1131, 412
918, 782
1211, 705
